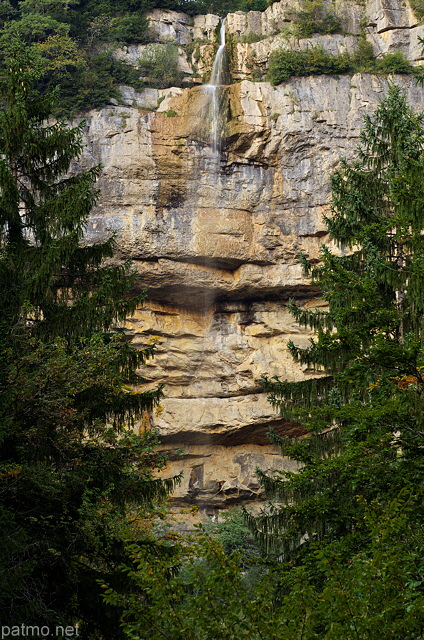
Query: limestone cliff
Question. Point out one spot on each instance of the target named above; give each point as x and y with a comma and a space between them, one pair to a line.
216, 246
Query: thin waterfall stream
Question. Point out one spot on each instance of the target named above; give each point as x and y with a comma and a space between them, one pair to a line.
214, 93
213, 90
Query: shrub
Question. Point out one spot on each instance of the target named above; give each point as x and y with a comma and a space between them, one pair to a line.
251, 37
314, 18
90, 87
394, 63
221, 7
253, 5
235, 536
316, 60
312, 61
160, 64
418, 7
130, 28
364, 58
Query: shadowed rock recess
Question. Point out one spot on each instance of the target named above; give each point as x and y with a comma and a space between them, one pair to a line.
216, 241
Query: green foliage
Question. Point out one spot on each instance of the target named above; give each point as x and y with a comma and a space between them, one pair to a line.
363, 58
160, 65
314, 18
316, 60
84, 80
33, 27
7, 11
71, 465
375, 594
418, 7
80, 82
90, 86
221, 7
312, 61
126, 28
252, 5
251, 38
394, 63
129, 28
235, 536
199, 591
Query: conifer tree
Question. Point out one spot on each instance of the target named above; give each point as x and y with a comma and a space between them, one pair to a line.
363, 407
71, 465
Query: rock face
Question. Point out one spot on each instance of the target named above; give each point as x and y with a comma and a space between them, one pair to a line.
216, 242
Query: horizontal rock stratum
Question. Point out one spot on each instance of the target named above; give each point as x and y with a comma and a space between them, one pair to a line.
217, 245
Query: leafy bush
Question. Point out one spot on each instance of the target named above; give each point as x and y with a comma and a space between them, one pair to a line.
221, 7
394, 63
131, 28
160, 65
312, 61
235, 536
251, 37
81, 88
253, 5
314, 18
316, 60
364, 58
33, 27
418, 7
198, 590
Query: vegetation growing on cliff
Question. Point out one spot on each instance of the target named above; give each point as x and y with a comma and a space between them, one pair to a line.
74, 41
307, 62
285, 63
314, 17
222, 7
76, 482
203, 593
418, 7
160, 65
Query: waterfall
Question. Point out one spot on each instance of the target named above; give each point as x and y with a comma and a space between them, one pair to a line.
213, 90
